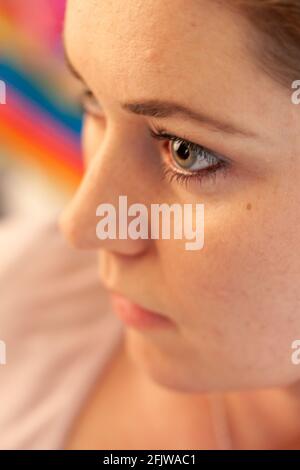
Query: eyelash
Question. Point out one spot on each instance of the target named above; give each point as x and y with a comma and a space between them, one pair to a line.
174, 174
86, 101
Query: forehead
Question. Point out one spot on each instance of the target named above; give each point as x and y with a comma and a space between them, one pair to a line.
155, 44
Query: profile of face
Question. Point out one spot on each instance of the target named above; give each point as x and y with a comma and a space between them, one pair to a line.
235, 304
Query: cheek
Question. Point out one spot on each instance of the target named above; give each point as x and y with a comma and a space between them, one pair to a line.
236, 316
242, 288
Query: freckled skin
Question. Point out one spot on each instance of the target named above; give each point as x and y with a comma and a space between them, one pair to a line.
236, 303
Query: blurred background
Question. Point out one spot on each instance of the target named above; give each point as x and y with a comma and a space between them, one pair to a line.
40, 124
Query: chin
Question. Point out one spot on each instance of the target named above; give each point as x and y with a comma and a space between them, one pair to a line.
174, 368
163, 366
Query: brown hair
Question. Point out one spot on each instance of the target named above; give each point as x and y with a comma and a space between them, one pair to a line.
278, 23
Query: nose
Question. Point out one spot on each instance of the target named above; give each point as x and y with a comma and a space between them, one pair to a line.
109, 175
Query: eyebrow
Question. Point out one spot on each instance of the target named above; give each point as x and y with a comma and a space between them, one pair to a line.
166, 109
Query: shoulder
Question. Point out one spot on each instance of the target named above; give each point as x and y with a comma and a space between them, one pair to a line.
57, 329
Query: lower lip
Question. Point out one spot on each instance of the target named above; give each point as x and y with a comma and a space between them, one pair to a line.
135, 316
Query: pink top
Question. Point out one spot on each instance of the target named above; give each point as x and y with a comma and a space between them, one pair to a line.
58, 332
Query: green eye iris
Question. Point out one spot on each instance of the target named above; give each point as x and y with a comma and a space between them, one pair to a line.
192, 157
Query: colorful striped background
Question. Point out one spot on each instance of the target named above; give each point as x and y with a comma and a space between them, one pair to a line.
40, 123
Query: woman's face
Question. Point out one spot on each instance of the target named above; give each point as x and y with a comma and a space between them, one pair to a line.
235, 304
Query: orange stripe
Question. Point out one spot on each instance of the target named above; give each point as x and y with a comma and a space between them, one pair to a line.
42, 131
38, 154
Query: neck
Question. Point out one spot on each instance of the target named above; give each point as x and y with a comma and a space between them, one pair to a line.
259, 419
265, 419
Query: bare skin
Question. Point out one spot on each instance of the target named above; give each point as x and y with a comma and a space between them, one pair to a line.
129, 408
126, 410
235, 304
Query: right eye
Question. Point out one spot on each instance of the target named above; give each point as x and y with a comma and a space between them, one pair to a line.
90, 105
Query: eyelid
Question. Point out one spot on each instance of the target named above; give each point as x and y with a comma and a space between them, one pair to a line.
161, 134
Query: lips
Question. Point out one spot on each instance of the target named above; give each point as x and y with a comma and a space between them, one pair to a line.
135, 316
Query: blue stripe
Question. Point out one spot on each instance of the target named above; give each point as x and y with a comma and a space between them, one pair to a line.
60, 111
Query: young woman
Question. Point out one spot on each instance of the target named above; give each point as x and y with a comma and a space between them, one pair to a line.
190, 102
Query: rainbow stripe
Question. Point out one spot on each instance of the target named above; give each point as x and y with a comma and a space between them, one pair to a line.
39, 124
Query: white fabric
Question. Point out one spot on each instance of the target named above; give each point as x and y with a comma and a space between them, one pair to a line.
59, 333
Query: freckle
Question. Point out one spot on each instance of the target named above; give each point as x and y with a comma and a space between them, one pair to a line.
249, 206
151, 55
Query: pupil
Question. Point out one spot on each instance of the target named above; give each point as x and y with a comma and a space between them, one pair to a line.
183, 151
